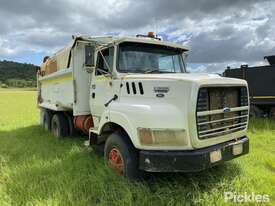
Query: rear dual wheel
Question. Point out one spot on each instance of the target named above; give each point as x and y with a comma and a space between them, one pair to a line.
60, 125
45, 119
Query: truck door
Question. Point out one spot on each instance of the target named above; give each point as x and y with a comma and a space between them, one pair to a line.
101, 84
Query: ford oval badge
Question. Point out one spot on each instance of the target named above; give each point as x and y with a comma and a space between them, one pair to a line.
226, 110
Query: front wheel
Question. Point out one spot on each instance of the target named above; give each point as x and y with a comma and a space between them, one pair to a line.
121, 155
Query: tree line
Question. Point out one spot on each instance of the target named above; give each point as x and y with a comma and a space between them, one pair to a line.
14, 74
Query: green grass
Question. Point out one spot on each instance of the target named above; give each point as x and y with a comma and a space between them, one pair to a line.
18, 89
36, 169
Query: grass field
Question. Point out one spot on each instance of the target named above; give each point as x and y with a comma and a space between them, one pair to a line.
36, 169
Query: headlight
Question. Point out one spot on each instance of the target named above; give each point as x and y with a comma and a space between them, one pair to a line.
164, 137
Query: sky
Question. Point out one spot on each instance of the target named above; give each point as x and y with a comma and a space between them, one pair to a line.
220, 33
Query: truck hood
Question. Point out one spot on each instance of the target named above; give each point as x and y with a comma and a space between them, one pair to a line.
199, 78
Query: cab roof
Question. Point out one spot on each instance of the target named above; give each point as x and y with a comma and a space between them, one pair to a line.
102, 41
106, 40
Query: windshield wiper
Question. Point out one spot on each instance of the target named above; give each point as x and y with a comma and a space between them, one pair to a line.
151, 71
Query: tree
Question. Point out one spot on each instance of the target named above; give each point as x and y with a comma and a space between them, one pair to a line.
16, 74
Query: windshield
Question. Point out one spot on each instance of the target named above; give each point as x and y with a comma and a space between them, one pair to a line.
148, 58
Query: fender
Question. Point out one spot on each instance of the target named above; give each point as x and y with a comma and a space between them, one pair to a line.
122, 120
131, 116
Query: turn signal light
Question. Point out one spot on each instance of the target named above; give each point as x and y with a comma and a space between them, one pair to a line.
146, 136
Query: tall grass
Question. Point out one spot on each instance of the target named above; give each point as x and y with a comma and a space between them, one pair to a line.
37, 169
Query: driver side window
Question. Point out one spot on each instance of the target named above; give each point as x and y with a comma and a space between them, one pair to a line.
105, 61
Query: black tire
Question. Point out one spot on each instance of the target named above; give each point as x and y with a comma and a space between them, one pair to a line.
272, 113
255, 112
60, 125
120, 141
72, 130
45, 119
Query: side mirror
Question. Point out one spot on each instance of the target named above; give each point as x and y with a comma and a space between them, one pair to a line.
89, 56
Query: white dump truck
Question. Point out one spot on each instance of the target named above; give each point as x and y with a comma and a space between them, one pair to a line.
133, 97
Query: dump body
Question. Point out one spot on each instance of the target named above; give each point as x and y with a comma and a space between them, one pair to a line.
64, 85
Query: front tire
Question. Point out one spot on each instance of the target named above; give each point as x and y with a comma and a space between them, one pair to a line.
59, 125
121, 155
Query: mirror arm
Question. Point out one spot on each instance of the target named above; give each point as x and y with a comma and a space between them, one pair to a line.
105, 61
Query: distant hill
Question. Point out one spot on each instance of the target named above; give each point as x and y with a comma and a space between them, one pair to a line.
16, 74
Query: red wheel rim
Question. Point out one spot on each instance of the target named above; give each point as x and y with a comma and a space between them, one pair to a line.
116, 161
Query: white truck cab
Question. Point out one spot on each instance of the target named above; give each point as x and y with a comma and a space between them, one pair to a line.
134, 97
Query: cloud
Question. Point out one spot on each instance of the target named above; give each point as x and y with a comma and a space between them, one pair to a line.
219, 32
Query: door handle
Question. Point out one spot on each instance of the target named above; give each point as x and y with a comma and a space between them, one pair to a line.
113, 99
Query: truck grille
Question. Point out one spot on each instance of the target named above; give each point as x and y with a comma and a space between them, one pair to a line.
221, 111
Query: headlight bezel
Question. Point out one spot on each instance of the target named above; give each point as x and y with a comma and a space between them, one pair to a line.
162, 137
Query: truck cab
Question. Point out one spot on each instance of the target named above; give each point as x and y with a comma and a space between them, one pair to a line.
134, 98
